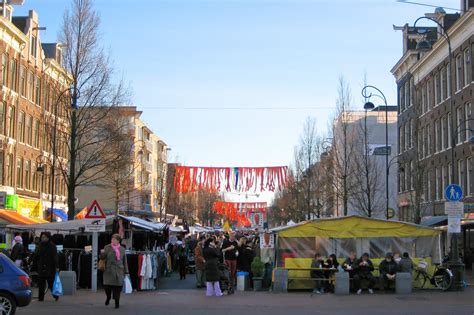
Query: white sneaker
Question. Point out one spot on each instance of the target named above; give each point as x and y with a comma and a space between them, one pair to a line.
371, 291
359, 291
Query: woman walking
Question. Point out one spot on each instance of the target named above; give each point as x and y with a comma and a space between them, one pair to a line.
115, 269
211, 256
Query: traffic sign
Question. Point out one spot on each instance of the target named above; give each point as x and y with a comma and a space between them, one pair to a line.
454, 224
453, 192
95, 211
454, 208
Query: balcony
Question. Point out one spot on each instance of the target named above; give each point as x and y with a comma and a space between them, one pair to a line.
149, 145
148, 167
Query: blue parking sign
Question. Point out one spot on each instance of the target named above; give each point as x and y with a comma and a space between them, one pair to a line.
453, 192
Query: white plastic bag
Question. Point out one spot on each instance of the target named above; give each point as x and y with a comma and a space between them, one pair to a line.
127, 285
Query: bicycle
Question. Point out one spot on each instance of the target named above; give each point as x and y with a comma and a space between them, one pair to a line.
442, 277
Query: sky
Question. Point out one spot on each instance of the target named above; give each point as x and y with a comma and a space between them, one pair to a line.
231, 82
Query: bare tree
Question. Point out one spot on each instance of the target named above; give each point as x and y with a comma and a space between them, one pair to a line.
91, 86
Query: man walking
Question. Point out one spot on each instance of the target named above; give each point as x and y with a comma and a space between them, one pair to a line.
229, 248
47, 264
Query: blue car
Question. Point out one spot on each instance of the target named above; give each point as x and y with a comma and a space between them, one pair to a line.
15, 287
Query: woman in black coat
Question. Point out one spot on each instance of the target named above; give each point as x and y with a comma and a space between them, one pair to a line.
211, 257
47, 264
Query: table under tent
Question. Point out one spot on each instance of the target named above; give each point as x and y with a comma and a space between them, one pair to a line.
296, 245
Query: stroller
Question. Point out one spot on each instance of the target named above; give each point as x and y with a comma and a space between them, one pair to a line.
224, 279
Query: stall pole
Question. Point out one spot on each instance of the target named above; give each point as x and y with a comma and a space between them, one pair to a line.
95, 245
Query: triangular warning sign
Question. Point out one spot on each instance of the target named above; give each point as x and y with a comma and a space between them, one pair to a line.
95, 211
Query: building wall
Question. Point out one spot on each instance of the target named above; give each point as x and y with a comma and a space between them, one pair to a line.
427, 85
28, 82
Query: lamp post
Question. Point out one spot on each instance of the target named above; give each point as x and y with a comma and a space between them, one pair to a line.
455, 262
367, 95
367, 106
40, 170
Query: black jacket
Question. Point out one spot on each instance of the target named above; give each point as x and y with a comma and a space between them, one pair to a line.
245, 258
211, 256
318, 264
388, 267
47, 259
364, 270
18, 252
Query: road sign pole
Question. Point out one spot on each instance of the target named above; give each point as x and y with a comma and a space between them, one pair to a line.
95, 245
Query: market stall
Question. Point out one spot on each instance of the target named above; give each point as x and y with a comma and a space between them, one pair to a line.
297, 244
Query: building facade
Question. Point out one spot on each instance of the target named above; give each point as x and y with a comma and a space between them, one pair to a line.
435, 113
33, 104
140, 183
358, 163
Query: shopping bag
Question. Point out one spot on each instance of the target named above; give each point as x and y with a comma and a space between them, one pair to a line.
127, 285
57, 286
101, 265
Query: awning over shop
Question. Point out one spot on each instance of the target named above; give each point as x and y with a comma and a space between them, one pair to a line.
16, 218
355, 227
67, 226
58, 213
434, 221
147, 225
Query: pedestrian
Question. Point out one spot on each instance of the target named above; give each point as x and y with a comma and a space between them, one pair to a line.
200, 263
245, 258
115, 269
364, 268
229, 248
181, 254
317, 272
47, 265
349, 266
388, 269
211, 257
18, 253
406, 264
332, 264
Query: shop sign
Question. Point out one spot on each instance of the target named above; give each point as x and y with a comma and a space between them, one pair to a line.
29, 208
12, 202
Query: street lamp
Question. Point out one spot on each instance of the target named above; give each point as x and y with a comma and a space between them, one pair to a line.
40, 170
367, 95
367, 106
455, 262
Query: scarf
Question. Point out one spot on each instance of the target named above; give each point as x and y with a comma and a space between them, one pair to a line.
116, 249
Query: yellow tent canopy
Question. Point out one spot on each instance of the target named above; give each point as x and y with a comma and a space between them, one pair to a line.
355, 227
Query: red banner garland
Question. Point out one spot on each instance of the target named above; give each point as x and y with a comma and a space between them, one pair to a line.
214, 179
239, 211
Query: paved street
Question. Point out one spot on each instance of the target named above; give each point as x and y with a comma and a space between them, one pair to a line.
194, 302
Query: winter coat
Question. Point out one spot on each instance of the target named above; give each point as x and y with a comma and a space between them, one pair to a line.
245, 258
47, 259
405, 265
198, 257
388, 267
211, 255
317, 264
18, 252
364, 271
115, 270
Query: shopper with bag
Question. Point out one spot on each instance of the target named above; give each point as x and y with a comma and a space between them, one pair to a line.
47, 256
115, 269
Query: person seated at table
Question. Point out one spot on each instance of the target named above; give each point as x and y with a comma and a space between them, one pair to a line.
349, 266
318, 262
363, 271
332, 264
388, 269
406, 264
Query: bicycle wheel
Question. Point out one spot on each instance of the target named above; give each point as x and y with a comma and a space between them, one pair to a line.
422, 282
443, 278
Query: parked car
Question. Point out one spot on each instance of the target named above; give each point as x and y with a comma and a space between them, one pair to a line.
15, 290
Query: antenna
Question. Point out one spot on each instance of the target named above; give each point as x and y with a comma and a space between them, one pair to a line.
426, 5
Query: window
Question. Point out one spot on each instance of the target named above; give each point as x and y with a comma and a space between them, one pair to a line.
448, 75
4, 68
423, 100
38, 91
412, 94
34, 177
11, 122
469, 177
407, 94
429, 95
29, 130
461, 173
459, 123
407, 136
2, 118
33, 46
31, 86
458, 72
438, 183
27, 175
19, 173
400, 137
402, 98
21, 127
443, 177
444, 84
36, 134
22, 81
13, 76
9, 168
428, 186
467, 60
437, 89
412, 174
2, 163
468, 121
443, 132
436, 136
428, 142
448, 144
450, 173
412, 130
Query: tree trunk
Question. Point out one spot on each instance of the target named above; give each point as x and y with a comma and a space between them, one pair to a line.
72, 164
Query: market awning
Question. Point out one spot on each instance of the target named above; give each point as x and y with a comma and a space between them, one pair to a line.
82, 214
16, 218
66, 226
147, 225
356, 227
58, 213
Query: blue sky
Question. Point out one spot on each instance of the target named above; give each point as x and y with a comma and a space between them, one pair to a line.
190, 63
